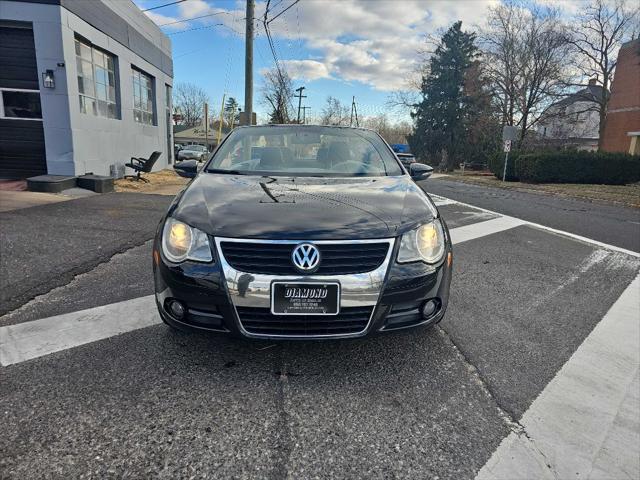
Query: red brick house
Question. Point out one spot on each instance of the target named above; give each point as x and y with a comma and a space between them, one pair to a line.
622, 127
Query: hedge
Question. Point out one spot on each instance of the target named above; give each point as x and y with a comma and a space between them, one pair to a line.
578, 167
496, 165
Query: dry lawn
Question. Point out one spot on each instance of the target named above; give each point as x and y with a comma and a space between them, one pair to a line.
627, 195
163, 182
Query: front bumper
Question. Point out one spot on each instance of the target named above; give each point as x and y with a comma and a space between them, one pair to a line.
217, 297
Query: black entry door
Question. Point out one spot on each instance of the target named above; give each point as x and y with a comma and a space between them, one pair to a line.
22, 148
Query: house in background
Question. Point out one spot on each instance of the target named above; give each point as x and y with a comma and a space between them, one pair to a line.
196, 135
622, 127
573, 122
84, 85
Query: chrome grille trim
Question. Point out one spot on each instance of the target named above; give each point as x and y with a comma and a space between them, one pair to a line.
248, 289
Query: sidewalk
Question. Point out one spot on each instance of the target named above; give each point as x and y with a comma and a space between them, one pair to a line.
15, 200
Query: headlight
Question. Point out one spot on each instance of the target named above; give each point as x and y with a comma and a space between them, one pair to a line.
425, 243
181, 242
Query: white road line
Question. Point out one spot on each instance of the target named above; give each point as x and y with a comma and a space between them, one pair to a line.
28, 340
440, 201
584, 424
482, 229
554, 230
37, 338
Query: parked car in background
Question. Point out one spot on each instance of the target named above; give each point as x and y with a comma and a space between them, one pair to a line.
406, 158
193, 152
302, 232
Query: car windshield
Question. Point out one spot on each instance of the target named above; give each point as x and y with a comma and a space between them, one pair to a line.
195, 148
304, 151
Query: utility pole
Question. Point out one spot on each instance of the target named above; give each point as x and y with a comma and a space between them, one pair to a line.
300, 97
248, 63
206, 126
354, 111
221, 119
304, 114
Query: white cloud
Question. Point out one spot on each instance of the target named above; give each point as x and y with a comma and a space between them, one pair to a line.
160, 19
308, 70
375, 42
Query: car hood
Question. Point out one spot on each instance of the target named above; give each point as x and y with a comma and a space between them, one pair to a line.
314, 208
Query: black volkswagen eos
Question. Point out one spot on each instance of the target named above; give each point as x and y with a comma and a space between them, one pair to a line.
302, 232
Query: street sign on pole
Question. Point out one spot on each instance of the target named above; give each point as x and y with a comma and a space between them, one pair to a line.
510, 133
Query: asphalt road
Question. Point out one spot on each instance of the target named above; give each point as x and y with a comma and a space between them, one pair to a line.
47, 246
614, 225
416, 404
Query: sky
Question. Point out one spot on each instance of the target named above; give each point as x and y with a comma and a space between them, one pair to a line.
343, 48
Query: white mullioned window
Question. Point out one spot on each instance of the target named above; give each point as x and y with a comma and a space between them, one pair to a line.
143, 97
97, 81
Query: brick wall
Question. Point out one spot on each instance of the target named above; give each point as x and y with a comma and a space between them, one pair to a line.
623, 111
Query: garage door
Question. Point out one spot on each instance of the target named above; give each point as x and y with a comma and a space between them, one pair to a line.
22, 151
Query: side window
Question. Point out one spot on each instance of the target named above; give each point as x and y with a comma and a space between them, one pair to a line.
143, 97
96, 70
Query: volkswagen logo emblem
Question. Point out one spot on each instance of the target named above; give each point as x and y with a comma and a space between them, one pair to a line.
306, 257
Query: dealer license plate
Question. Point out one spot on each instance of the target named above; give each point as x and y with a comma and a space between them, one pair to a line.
305, 298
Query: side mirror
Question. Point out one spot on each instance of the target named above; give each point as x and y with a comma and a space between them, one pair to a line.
420, 171
187, 168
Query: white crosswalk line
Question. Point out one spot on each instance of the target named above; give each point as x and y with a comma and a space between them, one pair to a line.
37, 338
28, 340
549, 229
440, 201
482, 229
584, 424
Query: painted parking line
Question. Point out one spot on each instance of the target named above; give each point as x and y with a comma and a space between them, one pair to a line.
584, 424
29, 340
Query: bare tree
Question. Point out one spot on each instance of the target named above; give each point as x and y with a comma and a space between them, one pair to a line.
189, 100
277, 92
596, 35
334, 112
526, 51
392, 132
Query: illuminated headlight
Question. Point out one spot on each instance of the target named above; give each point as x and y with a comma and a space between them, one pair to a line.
181, 242
425, 243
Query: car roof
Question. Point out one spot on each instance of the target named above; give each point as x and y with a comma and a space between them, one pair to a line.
294, 125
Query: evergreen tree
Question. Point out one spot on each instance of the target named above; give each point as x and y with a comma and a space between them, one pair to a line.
231, 115
453, 101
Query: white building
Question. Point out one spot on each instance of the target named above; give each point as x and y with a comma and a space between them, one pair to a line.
83, 85
574, 121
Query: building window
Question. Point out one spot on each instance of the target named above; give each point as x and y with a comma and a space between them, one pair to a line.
96, 81
143, 97
22, 104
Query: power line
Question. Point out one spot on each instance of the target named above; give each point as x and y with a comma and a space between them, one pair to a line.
162, 6
295, 2
198, 28
194, 18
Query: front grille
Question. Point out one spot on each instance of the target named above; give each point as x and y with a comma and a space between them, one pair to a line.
275, 258
260, 321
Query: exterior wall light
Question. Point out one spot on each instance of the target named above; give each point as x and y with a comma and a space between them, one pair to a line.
48, 80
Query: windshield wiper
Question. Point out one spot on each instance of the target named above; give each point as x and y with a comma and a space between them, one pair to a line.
222, 170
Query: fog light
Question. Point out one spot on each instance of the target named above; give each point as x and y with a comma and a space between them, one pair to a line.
429, 308
176, 309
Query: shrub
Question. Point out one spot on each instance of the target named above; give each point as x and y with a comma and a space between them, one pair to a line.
496, 165
578, 167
